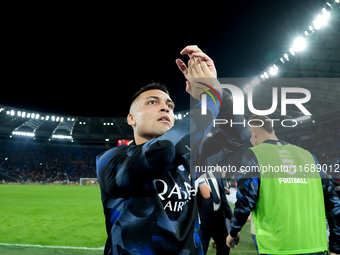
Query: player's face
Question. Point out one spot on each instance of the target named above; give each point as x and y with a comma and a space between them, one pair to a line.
153, 115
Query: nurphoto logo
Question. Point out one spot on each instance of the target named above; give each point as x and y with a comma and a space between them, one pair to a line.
239, 101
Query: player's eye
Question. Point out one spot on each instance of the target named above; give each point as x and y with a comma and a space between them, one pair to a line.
152, 102
171, 106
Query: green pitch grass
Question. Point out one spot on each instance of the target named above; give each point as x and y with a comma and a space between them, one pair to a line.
51, 215
246, 245
61, 216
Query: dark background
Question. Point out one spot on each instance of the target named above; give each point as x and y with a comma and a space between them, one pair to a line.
88, 60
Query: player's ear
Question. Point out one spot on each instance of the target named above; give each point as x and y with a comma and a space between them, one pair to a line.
131, 119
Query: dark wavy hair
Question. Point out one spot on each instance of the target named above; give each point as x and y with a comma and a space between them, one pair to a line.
150, 86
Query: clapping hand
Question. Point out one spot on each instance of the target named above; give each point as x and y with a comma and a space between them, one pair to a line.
200, 70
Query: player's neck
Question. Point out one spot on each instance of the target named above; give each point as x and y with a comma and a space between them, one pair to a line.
140, 139
269, 137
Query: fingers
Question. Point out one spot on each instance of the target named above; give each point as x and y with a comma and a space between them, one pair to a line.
201, 67
198, 68
201, 55
191, 68
195, 68
190, 50
194, 51
204, 67
181, 65
228, 241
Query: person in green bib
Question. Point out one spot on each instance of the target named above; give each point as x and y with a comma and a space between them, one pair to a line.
287, 195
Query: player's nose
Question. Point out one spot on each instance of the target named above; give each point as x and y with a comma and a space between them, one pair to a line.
164, 107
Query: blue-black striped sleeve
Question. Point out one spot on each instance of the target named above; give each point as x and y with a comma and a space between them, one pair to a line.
247, 192
124, 171
332, 205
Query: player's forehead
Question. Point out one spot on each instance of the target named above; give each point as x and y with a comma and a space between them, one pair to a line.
154, 93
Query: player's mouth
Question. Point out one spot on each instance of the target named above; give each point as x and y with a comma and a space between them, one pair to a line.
165, 119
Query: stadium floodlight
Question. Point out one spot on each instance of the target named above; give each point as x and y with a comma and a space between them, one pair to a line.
57, 119
255, 82
47, 117
62, 119
337, 1
30, 134
292, 51
23, 114
12, 112
247, 88
19, 113
321, 20
32, 115
53, 118
266, 75
273, 71
67, 137
316, 24
28, 115
286, 56
37, 116
305, 117
299, 44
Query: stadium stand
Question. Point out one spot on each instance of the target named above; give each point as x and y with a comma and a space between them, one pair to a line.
39, 147
28, 161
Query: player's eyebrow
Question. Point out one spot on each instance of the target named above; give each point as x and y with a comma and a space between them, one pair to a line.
158, 98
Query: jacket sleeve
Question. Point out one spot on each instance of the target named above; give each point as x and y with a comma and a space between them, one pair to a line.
332, 206
124, 170
247, 192
231, 137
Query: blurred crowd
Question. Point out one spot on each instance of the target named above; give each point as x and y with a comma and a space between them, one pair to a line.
30, 161
324, 142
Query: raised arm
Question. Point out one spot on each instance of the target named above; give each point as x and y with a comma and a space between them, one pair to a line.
124, 171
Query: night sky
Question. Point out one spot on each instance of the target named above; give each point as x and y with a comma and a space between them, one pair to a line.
89, 61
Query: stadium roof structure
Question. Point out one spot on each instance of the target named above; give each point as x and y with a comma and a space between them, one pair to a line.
15, 122
312, 62
48, 126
